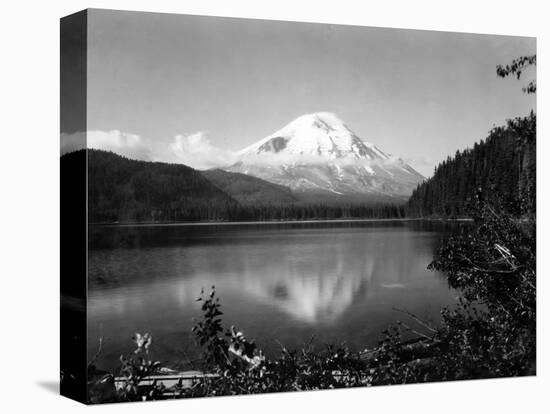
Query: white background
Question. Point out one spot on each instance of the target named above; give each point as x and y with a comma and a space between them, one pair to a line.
29, 206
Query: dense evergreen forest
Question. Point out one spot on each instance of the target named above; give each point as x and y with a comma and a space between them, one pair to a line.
125, 190
501, 170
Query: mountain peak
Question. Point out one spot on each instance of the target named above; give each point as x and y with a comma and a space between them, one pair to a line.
319, 134
317, 152
322, 120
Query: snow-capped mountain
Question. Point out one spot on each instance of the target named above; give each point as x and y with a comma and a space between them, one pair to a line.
318, 154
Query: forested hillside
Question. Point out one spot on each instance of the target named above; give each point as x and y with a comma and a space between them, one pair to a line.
124, 190
500, 169
120, 189
249, 190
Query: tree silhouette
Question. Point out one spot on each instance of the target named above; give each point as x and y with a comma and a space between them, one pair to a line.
517, 67
501, 169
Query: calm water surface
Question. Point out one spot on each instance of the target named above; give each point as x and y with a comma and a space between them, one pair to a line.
284, 282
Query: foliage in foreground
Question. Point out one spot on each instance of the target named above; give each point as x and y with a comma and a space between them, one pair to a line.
493, 332
490, 333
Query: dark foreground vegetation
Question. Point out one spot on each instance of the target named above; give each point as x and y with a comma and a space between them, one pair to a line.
489, 333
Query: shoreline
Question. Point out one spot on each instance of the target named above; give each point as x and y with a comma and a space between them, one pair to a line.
271, 222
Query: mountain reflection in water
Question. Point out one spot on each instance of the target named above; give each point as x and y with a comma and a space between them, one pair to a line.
285, 282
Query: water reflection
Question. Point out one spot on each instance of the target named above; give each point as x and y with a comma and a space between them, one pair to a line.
339, 281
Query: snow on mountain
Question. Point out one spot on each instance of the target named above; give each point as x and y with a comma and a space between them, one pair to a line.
318, 154
321, 134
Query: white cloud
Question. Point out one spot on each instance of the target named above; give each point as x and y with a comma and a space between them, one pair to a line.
129, 145
194, 150
197, 151
122, 143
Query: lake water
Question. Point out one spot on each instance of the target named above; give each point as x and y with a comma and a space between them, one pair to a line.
276, 282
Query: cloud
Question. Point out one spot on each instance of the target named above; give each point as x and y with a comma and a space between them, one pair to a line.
198, 152
123, 143
129, 145
194, 150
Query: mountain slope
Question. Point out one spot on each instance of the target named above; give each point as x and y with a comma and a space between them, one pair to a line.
249, 190
121, 189
318, 155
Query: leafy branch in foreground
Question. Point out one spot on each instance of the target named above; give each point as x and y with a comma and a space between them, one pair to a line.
492, 332
516, 68
494, 265
135, 367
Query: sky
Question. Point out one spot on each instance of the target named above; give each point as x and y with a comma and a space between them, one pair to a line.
194, 89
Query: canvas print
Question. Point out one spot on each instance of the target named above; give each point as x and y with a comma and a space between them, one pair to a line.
253, 206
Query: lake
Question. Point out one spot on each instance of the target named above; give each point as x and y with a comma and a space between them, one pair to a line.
276, 282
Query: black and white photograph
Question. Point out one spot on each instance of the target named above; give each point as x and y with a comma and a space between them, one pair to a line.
279, 206
271, 207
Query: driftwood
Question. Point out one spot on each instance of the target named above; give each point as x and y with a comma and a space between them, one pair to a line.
172, 383
417, 319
